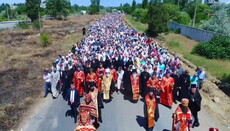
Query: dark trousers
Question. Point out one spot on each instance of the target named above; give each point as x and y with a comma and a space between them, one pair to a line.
195, 115
150, 129
200, 83
47, 88
74, 112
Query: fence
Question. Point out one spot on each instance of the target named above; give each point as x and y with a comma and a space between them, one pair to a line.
193, 33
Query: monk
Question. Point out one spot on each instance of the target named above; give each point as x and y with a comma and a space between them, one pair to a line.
167, 84
135, 83
106, 84
78, 80
154, 82
151, 109
182, 118
100, 73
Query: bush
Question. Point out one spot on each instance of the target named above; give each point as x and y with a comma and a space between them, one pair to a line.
217, 48
182, 18
23, 26
36, 24
45, 39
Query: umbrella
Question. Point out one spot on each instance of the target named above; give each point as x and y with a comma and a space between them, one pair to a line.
133, 38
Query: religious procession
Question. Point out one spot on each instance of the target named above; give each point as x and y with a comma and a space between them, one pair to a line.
113, 58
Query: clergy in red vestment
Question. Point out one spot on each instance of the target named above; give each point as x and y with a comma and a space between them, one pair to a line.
151, 109
100, 73
154, 82
114, 81
135, 83
91, 78
78, 80
167, 84
182, 118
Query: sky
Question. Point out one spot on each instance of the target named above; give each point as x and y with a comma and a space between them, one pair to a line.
87, 2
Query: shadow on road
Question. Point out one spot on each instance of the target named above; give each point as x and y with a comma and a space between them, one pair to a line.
142, 122
165, 130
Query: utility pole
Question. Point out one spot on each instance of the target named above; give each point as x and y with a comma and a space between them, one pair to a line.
194, 16
7, 13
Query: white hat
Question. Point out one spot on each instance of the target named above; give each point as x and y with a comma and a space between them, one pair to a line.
107, 70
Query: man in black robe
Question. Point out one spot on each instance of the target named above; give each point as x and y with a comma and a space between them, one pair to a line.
70, 75
144, 76
129, 62
184, 85
195, 105
127, 81
64, 79
175, 76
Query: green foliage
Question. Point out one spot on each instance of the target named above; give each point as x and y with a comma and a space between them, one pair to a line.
182, 18
140, 14
45, 40
58, 8
158, 19
127, 8
94, 7
217, 48
21, 9
32, 7
23, 26
36, 24
172, 10
202, 11
134, 5
144, 4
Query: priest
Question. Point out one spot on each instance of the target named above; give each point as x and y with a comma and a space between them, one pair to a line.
106, 84
167, 84
135, 83
78, 80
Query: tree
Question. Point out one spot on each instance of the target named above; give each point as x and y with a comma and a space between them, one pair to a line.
172, 10
94, 7
144, 4
127, 8
140, 14
218, 23
32, 8
58, 8
134, 5
158, 19
182, 18
21, 9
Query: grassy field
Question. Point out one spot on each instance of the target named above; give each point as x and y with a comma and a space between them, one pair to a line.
135, 24
184, 45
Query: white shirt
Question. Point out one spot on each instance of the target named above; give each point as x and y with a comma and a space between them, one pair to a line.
47, 77
72, 94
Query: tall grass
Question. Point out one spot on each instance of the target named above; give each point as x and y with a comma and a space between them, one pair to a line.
135, 24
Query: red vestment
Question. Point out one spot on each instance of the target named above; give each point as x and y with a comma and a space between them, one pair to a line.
167, 88
135, 83
153, 83
78, 80
114, 74
151, 107
181, 120
91, 77
100, 72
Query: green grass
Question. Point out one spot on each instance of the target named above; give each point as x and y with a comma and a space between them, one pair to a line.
135, 24
181, 44
184, 46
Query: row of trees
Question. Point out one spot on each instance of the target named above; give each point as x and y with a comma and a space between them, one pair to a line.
158, 14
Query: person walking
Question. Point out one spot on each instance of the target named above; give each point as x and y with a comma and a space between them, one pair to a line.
47, 78
73, 100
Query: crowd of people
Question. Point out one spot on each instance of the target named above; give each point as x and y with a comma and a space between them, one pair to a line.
112, 58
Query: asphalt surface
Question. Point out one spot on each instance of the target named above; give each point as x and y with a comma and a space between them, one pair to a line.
118, 115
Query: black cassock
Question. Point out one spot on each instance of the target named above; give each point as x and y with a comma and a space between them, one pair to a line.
65, 87
176, 85
127, 82
195, 104
184, 84
144, 76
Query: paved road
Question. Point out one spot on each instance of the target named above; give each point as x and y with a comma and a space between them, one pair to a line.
118, 115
